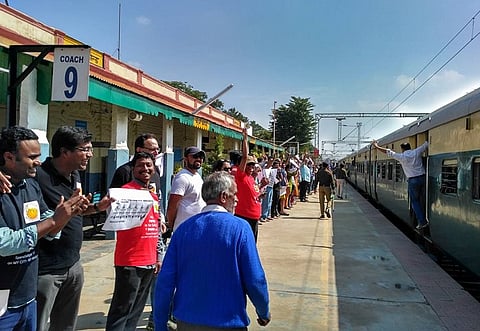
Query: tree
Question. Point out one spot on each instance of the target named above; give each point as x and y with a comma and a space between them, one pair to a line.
295, 119
189, 89
236, 115
260, 132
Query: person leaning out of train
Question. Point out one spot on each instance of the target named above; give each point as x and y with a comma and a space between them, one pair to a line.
411, 161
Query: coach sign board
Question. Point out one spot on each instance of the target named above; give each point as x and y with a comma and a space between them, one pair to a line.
70, 74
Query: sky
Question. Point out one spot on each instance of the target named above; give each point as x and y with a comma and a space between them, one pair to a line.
345, 56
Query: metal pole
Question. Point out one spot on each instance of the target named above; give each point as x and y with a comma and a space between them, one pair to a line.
274, 121
218, 95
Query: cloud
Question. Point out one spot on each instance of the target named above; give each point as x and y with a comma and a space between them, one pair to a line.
142, 20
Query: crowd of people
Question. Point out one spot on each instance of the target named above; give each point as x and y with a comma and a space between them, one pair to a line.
42, 206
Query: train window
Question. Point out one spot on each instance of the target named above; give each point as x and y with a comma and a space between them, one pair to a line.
398, 172
476, 178
383, 170
390, 171
449, 177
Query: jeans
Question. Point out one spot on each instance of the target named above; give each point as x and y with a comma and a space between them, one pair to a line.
267, 202
416, 191
20, 319
58, 298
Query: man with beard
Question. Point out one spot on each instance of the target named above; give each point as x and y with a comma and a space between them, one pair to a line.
61, 278
24, 219
136, 259
211, 266
185, 195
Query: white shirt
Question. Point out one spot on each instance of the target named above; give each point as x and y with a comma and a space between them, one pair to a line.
411, 160
189, 186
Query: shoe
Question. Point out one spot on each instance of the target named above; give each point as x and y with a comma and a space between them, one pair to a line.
322, 216
285, 214
328, 213
422, 226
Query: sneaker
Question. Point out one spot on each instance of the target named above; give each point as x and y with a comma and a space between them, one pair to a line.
328, 213
422, 226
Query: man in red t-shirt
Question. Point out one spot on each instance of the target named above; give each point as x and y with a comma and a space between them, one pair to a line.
136, 259
249, 206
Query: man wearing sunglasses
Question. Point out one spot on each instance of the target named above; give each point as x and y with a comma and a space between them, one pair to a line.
186, 194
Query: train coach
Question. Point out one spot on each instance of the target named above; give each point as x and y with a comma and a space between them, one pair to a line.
452, 163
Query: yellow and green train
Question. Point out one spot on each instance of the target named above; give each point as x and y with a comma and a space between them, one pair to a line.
452, 163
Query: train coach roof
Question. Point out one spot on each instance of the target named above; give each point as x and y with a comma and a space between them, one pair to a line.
458, 108
461, 107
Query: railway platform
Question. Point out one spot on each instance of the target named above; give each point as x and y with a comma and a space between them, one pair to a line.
355, 271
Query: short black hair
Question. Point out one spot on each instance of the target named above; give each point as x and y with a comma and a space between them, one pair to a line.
405, 146
11, 137
141, 155
140, 141
218, 165
69, 137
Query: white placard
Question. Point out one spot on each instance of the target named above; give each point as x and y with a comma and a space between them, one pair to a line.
70, 74
4, 294
128, 210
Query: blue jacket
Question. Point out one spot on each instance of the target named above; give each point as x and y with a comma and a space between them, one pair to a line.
211, 265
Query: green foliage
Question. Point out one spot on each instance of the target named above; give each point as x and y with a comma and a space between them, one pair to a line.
260, 132
236, 114
295, 119
189, 89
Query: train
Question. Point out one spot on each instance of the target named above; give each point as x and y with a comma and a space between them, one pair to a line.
452, 164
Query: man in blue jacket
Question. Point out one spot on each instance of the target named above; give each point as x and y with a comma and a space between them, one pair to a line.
211, 266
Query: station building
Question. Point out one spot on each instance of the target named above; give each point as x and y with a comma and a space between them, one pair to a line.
123, 102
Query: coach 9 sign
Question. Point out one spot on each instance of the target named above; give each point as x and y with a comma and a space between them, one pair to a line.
70, 74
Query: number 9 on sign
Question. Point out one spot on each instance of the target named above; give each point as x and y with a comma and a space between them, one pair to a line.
71, 81
70, 74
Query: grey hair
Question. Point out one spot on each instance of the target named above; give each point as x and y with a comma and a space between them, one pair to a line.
217, 183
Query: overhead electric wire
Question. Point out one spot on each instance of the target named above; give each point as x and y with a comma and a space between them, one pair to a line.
387, 105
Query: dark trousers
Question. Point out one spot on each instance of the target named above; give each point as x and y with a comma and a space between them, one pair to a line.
23, 318
132, 285
58, 298
303, 190
182, 326
253, 224
275, 200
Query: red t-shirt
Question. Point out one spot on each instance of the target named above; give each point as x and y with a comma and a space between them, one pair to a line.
137, 247
247, 193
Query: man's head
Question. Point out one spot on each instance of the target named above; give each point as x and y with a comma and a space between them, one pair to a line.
19, 153
148, 143
270, 161
250, 164
143, 167
405, 147
235, 157
325, 165
194, 158
220, 188
276, 163
73, 146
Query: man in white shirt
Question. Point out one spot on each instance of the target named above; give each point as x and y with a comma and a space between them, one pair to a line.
411, 161
186, 193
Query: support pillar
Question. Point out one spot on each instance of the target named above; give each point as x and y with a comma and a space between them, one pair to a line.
168, 160
32, 114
